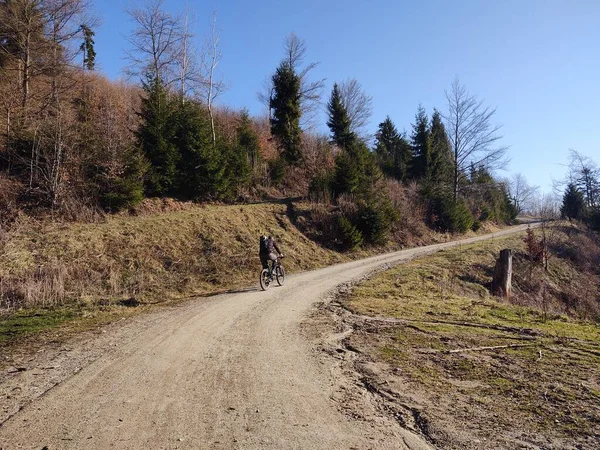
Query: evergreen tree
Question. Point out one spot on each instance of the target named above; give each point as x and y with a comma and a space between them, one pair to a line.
441, 168
573, 206
87, 47
347, 176
393, 150
118, 191
356, 171
155, 138
339, 122
201, 166
490, 198
241, 157
247, 139
286, 112
420, 143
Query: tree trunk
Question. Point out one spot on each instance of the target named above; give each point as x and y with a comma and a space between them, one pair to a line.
456, 169
26, 70
502, 282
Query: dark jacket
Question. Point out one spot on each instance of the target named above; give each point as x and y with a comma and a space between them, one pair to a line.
272, 246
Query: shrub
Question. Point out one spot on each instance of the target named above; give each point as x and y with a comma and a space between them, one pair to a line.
10, 189
277, 170
320, 188
450, 216
476, 225
485, 214
375, 219
534, 246
351, 238
593, 219
462, 218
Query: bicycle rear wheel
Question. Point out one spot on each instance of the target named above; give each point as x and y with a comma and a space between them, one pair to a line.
265, 279
280, 275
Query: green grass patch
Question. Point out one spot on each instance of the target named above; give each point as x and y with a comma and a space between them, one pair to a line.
33, 321
549, 387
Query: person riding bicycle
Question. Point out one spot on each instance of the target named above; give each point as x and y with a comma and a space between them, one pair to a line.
268, 247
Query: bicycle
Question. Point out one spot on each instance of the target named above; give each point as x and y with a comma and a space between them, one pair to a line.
266, 275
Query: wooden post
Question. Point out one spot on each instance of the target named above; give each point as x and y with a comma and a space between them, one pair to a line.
502, 282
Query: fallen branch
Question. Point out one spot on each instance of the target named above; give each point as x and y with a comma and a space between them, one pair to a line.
493, 347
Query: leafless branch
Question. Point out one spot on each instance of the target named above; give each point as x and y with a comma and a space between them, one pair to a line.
585, 174
358, 104
521, 192
155, 43
474, 139
215, 85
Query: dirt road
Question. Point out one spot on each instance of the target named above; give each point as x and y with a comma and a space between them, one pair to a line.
227, 372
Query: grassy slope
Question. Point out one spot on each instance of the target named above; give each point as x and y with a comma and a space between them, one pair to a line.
95, 271
547, 392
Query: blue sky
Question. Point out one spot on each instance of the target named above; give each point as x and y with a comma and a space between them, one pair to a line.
537, 61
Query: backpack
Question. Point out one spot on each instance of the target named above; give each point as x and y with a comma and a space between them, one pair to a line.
262, 245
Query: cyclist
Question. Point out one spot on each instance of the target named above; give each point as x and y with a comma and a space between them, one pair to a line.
268, 247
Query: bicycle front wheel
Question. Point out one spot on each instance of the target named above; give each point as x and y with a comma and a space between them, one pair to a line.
280, 275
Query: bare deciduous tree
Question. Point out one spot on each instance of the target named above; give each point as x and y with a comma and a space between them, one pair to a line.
585, 174
358, 104
186, 60
473, 136
22, 29
63, 23
215, 85
545, 206
521, 192
155, 43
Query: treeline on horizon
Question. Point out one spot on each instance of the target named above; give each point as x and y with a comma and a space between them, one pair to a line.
74, 142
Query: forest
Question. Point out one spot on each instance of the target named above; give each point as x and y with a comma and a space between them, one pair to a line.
76, 146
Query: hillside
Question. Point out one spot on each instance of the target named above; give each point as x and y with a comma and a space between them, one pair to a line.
82, 274
136, 260
470, 370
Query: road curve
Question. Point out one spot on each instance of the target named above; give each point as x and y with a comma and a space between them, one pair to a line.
227, 372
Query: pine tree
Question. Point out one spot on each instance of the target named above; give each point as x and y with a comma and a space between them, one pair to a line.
441, 152
201, 166
419, 140
356, 171
247, 139
286, 112
87, 47
241, 157
155, 138
125, 189
393, 150
339, 122
573, 206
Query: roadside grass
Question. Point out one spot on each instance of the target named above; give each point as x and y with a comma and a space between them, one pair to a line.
54, 274
32, 321
543, 384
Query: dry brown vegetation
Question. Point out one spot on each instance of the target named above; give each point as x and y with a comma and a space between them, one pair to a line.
54, 272
195, 250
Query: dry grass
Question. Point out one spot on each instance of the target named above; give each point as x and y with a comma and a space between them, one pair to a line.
163, 251
151, 257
